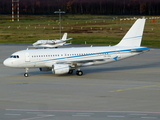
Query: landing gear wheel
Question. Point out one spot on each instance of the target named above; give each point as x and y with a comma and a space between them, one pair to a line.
25, 74
79, 73
70, 72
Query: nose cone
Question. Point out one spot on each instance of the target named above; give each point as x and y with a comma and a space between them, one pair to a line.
5, 62
39, 42
8, 62
34, 44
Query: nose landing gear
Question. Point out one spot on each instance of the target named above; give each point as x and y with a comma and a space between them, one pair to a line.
26, 74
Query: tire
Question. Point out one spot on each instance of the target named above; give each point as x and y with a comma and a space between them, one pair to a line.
25, 74
79, 73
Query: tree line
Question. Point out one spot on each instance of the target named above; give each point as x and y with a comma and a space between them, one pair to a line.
106, 7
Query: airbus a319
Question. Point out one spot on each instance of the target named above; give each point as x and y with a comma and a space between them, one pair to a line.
66, 60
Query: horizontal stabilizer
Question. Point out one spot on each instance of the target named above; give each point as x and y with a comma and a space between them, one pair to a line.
68, 39
67, 43
141, 49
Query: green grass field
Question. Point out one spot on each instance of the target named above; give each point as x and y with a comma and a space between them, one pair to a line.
89, 29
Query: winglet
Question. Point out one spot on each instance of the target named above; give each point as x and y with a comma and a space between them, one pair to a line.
134, 36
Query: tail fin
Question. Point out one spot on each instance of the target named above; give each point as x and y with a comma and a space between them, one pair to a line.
64, 37
134, 36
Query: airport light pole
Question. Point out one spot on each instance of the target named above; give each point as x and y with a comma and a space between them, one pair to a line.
60, 26
13, 6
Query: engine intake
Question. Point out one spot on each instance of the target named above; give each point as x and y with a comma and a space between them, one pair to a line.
60, 68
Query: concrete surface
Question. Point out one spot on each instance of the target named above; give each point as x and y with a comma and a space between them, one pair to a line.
127, 89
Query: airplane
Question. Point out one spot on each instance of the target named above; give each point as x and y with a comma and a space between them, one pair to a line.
66, 60
52, 43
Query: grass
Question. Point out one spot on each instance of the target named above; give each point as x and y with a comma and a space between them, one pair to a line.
90, 29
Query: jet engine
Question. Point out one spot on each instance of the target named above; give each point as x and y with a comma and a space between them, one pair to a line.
60, 68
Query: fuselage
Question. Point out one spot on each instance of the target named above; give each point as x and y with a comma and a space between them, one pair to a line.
49, 43
40, 58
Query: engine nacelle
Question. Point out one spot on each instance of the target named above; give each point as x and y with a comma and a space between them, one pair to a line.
45, 69
60, 68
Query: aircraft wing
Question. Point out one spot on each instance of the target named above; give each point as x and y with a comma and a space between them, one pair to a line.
67, 39
76, 62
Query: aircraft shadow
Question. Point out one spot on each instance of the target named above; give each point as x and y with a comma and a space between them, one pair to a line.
100, 68
118, 68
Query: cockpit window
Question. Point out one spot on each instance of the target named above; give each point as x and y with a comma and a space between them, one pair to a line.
14, 56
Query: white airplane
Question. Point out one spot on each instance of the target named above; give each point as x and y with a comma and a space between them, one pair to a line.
52, 43
65, 60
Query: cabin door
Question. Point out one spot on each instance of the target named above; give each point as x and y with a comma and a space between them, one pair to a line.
27, 59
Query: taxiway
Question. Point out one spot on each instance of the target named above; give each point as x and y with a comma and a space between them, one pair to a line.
127, 89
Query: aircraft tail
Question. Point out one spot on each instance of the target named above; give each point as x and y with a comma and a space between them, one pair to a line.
134, 36
64, 38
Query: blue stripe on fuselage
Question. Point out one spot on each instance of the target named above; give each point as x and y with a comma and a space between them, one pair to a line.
127, 50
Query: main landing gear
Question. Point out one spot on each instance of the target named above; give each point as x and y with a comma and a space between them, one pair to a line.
78, 72
26, 74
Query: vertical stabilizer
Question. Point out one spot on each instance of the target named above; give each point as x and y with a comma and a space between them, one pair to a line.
134, 36
64, 38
